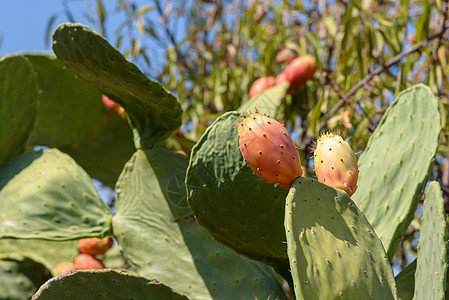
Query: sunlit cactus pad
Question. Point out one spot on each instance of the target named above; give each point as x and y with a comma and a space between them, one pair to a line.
153, 112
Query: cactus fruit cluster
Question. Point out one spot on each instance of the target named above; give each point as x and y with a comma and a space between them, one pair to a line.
297, 73
202, 225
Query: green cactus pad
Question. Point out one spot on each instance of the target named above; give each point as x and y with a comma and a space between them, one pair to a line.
18, 105
153, 112
431, 266
105, 151
160, 238
395, 165
237, 207
268, 102
52, 252
405, 282
46, 195
333, 250
21, 276
104, 284
69, 108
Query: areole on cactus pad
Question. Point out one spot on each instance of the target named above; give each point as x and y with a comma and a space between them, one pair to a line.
336, 163
269, 150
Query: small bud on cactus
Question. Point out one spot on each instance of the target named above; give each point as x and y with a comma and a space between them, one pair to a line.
269, 150
261, 85
300, 70
114, 107
88, 262
95, 246
64, 267
336, 163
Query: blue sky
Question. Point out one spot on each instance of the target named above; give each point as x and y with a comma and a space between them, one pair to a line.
23, 23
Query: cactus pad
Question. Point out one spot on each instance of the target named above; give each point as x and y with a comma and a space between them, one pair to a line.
46, 195
104, 284
69, 108
395, 165
153, 112
21, 276
105, 151
405, 282
333, 250
238, 208
431, 266
160, 238
18, 105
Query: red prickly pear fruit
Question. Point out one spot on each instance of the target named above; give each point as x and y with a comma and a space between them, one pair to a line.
95, 246
64, 267
261, 85
109, 104
269, 150
281, 78
336, 163
88, 262
300, 70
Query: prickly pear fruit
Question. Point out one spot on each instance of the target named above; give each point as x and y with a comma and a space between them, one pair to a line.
286, 55
114, 107
269, 150
300, 70
336, 163
95, 246
64, 267
261, 85
88, 262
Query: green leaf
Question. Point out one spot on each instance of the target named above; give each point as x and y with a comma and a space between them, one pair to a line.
431, 268
46, 195
104, 284
69, 108
160, 238
18, 102
394, 168
153, 112
333, 250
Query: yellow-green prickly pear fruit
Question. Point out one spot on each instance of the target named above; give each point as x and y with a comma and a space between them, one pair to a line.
336, 163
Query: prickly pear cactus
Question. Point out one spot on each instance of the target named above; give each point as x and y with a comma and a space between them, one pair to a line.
21, 276
152, 111
431, 268
394, 168
269, 150
65, 203
160, 238
68, 113
237, 207
336, 163
333, 250
18, 105
405, 282
104, 284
